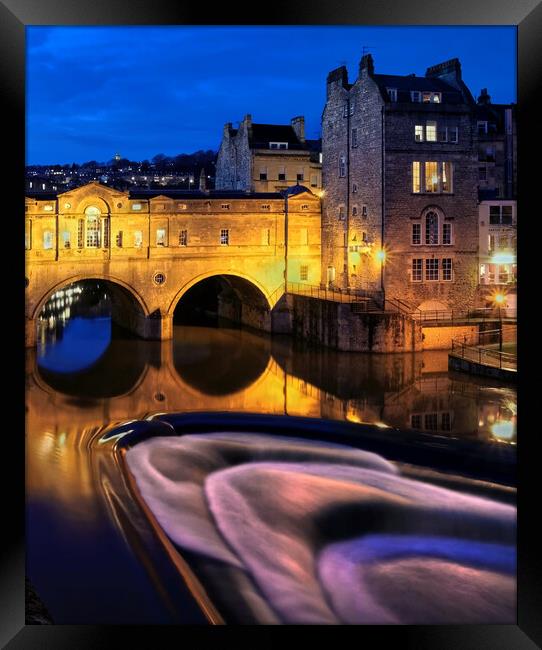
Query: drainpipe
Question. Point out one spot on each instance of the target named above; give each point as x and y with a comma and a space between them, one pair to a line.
346, 260
383, 202
285, 242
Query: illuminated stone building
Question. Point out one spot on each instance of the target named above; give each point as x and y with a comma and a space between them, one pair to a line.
400, 158
152, 246
267, 157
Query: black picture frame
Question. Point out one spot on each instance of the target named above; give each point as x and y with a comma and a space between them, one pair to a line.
15, 15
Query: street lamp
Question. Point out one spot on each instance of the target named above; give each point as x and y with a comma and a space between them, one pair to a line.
381, 257
499, 300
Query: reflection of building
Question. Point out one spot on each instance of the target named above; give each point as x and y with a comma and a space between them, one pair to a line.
399, 173
267, 157
498, 246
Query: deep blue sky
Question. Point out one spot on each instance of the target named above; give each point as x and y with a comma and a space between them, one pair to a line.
93, 91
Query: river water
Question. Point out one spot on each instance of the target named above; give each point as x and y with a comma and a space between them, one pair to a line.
85, 374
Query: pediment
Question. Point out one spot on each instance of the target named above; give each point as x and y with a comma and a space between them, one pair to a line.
105, 198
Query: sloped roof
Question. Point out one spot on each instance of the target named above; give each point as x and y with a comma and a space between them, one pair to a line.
404, 84
263, 134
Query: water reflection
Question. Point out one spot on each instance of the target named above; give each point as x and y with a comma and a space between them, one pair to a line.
86, 374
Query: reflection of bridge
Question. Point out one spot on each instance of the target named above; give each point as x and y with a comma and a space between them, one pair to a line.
152, 249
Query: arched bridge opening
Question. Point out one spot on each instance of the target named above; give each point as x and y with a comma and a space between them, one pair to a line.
223, 300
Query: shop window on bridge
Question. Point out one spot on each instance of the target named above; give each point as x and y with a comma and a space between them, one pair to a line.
80, 232
66, 239
47, 239
224, 237
93, 227
183, 238
161, 237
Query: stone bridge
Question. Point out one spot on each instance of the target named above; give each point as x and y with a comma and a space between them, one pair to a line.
150, 248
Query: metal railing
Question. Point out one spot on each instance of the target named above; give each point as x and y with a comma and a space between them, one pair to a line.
452, 315
480, 352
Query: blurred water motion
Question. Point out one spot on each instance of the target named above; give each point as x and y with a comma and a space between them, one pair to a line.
295, 531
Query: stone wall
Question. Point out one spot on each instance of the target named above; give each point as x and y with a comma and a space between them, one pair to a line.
335, 325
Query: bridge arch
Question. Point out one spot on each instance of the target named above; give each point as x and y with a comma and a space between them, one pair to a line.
135, 295
262, 291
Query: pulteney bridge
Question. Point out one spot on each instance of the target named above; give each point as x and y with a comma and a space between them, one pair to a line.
150, 248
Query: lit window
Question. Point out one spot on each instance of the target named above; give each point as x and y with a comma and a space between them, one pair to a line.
416, 177
431, 98
304, 273
48, 208
118, 239
416, 234
80, 232
431, 229
418, 133
342, 166
136, 206
447, 268
431, 269
417, 270
447, 234
93, 227
224, 237
161, 237
431, 177
138, 238
183, 238
66, 239
182, 206
225, 206
431, 131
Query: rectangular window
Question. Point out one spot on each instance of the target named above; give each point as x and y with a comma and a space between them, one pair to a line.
431, 269
224, 237
354, 188
442, 134
431, 177
431, 229
491, 243
282, 174
341, 212
138, 238
106, 232
47, 239
446, 177
66, 239
118, 239
418, 133
447, 234
506, 215
364, 211
415, 96
417, 270
342, 166
416, 234
80, 232
225, 206
431, 98
392, 94
263, 175
278, 145
482, 173
183, 238
445, 422
482, 128
431, 421
354, 210
416, 183
447, 268
304, 273
161, 237
300, 176
314, 180
354, 138
453, 134
494, 214
431, 131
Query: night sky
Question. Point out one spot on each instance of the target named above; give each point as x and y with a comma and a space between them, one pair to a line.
140, 91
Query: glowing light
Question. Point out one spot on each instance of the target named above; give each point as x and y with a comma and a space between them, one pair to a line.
499, 298
503, 430
381, 255
503, 258
381, 425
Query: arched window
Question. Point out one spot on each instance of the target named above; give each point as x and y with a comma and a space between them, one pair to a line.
431, 228
93, 226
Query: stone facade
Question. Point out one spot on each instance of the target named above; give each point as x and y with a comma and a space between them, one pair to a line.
373, 131
267, 157
152, 248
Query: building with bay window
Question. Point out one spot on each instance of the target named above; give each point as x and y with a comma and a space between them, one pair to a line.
400, 208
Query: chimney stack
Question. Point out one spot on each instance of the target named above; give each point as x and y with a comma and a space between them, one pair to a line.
484, 98
298, 125
366, 66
